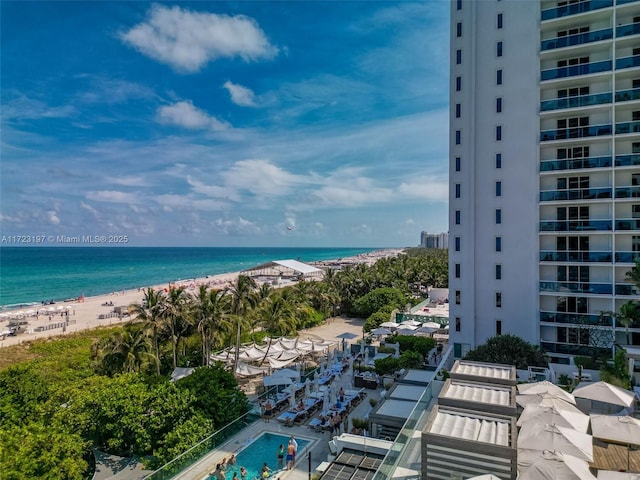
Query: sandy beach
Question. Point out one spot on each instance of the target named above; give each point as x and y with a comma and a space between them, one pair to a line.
92, 312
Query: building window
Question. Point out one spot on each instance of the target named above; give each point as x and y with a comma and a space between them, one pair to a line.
457, 217
498, 299
499, 105
458, 57
458, 324
498, 272
499, 49
458, 110
499, 77
498, 160
498, 327
498, 216
457, 190
498, 133
458, 137
459, 29
498, 244
458, 84
458, 295
458, 164
457, 270
498, 189
499, 21
458, 4
457, 243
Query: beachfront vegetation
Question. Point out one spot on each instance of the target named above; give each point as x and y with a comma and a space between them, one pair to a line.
508, 350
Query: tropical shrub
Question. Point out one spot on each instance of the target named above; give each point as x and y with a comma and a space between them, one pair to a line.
422, 345
508, 350
376, 299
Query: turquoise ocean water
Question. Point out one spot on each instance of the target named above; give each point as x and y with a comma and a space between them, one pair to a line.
33, 274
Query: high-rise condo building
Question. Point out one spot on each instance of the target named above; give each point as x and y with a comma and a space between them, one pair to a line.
434, 240
544, 200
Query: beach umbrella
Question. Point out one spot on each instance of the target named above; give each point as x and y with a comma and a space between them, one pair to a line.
545, 387
424, 329
488, 476
366, 356
431, 324
556, 466
621, 429
406, 331
389, 325
533, 414
316, 385
307, 388
325, 400
412, 323
292, 397
381, 331
524, 400
559, 439
606, 393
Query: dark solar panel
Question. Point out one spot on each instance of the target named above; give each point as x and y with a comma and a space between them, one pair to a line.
362, 474
371, 463
338, 472
349, 458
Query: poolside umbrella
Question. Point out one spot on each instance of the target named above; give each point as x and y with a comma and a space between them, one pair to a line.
431, 324
381, 331
606, 393
406, 331
316, 385
535, 414
557, 466
325, 400
545, 387
524, 400
622, 429
424, 329
292, 397
411, 323
307, 388
488, 476
556, 438
389, 325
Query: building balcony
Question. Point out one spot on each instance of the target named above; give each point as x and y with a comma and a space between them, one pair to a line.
577, 163
626, 30
628, 95
628, 160
575, 225
574, 102
576, 194
573, 256
628, 192
625, 289
578, 39
575, 70
627, 224
574, 9
577, 287
627, 62
577, 132
576, 318
571, 349
627, 127
627, 257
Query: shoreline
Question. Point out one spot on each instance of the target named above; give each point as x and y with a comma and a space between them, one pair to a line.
61, 318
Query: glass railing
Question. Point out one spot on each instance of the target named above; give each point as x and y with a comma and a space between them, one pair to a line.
627, 160
574, 9
628, 62
570, 349
576, 318
575, 225
627, 127
628, 224
575, 132
577, 287
626, 289
560, 256
578, 39
198, 451
627, 257
572, 102
628, 192
626, 30
576, 163
626, 95
623, 2
577, 194
574, 70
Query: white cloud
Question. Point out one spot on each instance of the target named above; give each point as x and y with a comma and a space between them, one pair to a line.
239, 226
89, 209
129, 181
23, 108
187, 40
240, 95
186, 115
261, 177
52, 217
213, 190
112, 196
434, 189
170, 203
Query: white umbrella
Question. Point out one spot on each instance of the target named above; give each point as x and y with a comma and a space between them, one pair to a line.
622, 429
606, 393
307, 388
325, 400
558, 439
557, 466
316, 385
535, 414
389, 325
412, 323
292, 397
431, 324
545, 387
424, 329
524, 400
381, 331
406, 331
488, 476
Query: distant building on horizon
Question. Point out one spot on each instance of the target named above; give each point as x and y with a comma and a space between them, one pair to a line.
434, 240
544, 172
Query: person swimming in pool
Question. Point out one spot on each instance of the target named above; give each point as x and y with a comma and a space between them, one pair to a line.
281, 457
243, 472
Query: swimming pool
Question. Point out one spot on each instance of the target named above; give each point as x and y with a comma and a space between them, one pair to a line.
262, 449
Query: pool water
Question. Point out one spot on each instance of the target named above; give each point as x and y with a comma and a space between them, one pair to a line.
262, 449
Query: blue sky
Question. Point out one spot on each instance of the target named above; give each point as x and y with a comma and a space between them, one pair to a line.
225, 123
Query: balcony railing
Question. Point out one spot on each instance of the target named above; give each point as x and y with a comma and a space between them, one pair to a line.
626, 30
628, 62
577, 39
577, 318
573, 102
575, 132
572, 256
577, 287
576, 194
627, 127
628, 192
575, 225
623, 2
627, 95
628, 224
577, 163
627, 160
626, 289
574, 70
627, 257
572, 349
574, 9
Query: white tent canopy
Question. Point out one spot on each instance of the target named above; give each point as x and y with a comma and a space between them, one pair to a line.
535, 414
622, 429
557, 466
606, 393
558, 439
545, 387
285, 266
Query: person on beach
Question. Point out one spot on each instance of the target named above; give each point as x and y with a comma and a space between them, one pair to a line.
281, 457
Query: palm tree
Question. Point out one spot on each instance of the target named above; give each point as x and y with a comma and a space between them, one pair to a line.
277, 315
633, 275
629, 313
135, 348
243, 299
173, 312
149, 313
210, 311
